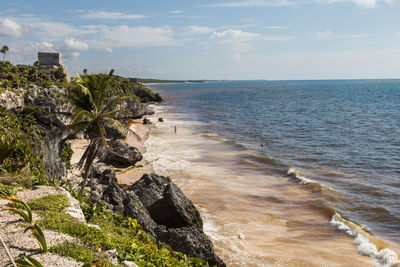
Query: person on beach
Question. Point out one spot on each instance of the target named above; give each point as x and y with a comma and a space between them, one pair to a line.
175, 129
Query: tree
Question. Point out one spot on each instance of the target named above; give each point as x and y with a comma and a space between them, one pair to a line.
94, 107
4, 50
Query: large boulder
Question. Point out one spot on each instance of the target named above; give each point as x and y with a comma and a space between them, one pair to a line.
132, 108
120, 155
147, 95
191, 241
166, 202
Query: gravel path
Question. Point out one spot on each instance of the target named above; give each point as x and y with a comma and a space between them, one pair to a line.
19, 243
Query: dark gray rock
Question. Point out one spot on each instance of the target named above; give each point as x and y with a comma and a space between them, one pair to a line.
147, 95
115, 133
113, 195
146, 121
120, 155
132, 108
102, 173
192, 241
166, 203
135, 209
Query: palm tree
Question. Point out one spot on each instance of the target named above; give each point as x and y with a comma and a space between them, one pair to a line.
94, 108
4, 50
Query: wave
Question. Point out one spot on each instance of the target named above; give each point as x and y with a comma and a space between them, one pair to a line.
299, 176
384, 257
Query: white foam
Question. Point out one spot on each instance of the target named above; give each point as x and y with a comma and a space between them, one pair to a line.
298, 175
383, 258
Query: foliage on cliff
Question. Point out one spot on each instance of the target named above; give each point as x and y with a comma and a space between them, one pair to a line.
20, 76
18, 134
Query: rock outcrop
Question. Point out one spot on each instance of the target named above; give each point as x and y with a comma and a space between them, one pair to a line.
120, 155
132, 108
147, 95
166, 202
162, 210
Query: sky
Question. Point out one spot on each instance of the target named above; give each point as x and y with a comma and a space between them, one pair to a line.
220, 39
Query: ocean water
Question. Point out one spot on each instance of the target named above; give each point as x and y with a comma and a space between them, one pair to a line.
287, 173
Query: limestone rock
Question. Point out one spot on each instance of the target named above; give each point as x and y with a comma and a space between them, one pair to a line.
132, 108
166, 203
192, 241
120, 155
148, 95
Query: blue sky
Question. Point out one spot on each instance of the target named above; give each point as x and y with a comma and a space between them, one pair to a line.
224, 39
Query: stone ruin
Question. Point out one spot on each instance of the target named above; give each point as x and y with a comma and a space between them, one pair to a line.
50, 60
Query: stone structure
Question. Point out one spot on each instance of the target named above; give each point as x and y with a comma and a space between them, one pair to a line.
50, 60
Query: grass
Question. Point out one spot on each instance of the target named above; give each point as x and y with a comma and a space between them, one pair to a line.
50, 203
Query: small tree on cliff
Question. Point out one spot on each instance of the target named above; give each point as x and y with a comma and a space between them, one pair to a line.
94, 108
4, 50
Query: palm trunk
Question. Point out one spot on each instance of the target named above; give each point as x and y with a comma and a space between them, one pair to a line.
90, 156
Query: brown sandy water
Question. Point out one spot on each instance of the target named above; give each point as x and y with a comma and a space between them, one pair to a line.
253, 216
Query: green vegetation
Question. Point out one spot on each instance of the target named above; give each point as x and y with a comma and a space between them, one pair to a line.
28, 261
50, 203
66, 155
8, 190
20, 206
18, 134
39, 235
21, 76
116, 232
78, 252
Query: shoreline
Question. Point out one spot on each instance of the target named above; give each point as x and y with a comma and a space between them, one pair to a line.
345, 246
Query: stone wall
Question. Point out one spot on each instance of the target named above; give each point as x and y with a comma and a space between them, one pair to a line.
55, 59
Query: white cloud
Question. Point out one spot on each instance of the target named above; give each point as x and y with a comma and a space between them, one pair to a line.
51, 30
109, 50
364, 3
134, 37
236, 35
10, 28
45, 47
72, 44
275, 27
111, 15
176, 12
198, 30
325, 34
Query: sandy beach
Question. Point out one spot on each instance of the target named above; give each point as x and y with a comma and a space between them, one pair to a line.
128, 175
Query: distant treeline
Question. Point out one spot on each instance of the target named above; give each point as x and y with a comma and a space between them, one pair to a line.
141, 80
